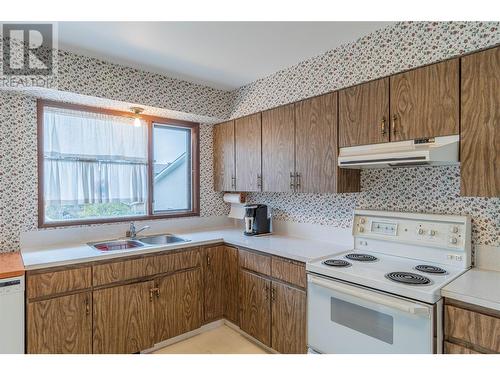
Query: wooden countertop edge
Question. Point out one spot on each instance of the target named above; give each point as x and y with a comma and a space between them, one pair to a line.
11, 265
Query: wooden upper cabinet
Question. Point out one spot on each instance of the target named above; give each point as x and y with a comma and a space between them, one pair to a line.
364, 114
60, 325
316, 148
255, 306
248, 142
288, 329
425, 102
224, 158
480, 124
213, 264
278, 149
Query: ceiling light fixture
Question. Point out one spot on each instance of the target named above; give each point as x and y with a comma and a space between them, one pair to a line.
137, 111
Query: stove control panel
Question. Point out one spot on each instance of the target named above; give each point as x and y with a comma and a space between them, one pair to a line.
425, 229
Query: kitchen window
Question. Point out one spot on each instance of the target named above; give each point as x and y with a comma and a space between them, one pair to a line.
98, 165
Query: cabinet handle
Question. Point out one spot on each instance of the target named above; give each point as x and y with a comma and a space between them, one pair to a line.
297, 181
382, 126
153, 291
292, 183
233, 182
208, 259
267, 293
259, 180
394, 118
87, 306
273, 294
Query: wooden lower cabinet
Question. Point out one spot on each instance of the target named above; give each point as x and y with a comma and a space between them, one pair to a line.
255, 306
213, 259
60, 325
123, 318
288, 322
231, 283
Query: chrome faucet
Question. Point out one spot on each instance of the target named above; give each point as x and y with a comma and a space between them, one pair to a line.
132, 232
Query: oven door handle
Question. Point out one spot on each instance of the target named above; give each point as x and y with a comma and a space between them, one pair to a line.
395, 303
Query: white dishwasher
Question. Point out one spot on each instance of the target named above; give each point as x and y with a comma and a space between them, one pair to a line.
12, 315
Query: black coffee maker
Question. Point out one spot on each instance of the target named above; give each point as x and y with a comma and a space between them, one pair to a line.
257, 220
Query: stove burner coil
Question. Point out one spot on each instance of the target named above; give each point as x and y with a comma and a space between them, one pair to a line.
337, 263
430, 269
361, 257
408, 278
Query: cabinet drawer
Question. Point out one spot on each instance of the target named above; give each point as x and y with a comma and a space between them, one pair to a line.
48, 283
255, 262
473, 327
177, 261
290, 271
108, 273
450, 348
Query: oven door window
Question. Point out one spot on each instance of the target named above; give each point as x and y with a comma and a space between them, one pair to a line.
367, 321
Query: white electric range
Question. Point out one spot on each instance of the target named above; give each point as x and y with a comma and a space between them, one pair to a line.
384, 296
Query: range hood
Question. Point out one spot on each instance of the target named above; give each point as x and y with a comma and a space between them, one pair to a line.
419, 152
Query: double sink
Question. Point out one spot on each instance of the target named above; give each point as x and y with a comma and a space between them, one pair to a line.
127, 244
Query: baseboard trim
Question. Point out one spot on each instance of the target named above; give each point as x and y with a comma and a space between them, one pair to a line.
205, 328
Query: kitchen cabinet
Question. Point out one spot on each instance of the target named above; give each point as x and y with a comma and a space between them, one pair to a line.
231, 284
474, 328
123, 318
60, 325
224, 157
255, 306
424, 102
288, 327
278, 149
213, 282
178, 307
480, 120
248, 142
316, 148
364, 114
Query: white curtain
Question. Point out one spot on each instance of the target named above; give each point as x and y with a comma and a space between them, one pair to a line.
93, 158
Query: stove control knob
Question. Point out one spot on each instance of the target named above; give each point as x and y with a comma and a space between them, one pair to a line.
432, 233
361, 229
420, 231
362, 220
454, 229
453, 240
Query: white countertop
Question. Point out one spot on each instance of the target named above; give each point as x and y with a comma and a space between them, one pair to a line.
476, 286
285, 246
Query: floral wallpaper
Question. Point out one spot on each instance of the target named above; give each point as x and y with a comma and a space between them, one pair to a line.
384, 52
398, 47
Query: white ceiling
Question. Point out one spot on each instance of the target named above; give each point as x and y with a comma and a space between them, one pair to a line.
224, 55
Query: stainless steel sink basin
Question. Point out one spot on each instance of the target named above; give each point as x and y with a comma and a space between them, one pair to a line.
117, 245
162, 239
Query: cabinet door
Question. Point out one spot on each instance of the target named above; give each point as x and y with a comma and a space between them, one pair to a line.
223, 143
248, 141
213, 282
230, 290
316, 148
364, 114
60, 325
278, 149
123, 318
288, 330
178, 306
255, 307
425, 102
480, 124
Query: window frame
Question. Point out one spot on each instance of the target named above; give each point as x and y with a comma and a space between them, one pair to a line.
150, 121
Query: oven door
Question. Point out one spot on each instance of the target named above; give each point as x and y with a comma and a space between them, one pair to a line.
346, 318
